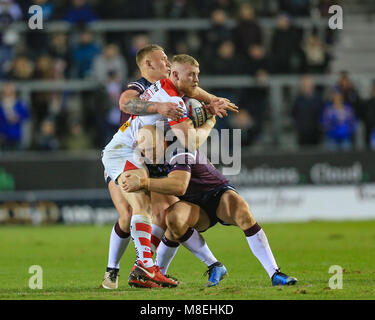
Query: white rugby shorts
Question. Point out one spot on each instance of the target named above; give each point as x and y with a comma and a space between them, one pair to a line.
118, 158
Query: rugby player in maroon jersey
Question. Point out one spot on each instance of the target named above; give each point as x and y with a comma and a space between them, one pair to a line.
205, 198
154, 65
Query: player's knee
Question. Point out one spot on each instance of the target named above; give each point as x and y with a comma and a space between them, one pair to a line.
124, 223
174, 224
141, 207
244, 218
158, 217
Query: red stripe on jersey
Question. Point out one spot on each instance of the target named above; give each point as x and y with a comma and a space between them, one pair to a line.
171, 123
155, 240
129, 166
133, 116
145, 242
143, 227
169, 87
147, 254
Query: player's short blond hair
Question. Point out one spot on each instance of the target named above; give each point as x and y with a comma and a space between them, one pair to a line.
142, 53
184, 58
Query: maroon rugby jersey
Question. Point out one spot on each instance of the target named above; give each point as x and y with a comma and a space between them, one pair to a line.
204, 176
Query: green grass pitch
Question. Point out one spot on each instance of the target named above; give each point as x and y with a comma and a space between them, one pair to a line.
73, 259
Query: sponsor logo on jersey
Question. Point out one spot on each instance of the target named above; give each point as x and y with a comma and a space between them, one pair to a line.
125, 126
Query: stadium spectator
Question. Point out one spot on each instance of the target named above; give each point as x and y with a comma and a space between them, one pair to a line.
13, 114
254, 99
137, 42
285, 44
316, 56
9, 12
257, 60
370, 119
111, 122
80, 12
77, 139
22, 68
60, 50
110, 61
339, 123
46, 139
306, 112
7, 51
44, 68
247, 32
351, 95
226, 61
218, 32
84, 54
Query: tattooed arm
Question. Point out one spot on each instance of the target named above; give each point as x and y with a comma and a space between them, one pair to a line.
130, 103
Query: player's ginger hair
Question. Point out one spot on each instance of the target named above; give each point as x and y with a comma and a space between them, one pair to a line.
142, 53
184, 58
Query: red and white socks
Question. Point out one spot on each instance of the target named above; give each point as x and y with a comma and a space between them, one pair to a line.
140, 230
258, 243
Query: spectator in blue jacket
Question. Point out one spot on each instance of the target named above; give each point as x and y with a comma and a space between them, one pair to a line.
13, 114
80, 12
84, 54
339, 123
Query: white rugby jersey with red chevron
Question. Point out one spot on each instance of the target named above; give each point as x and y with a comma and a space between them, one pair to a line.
161, 91
118, 155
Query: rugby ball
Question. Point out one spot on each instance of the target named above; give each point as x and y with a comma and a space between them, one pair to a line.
196, 111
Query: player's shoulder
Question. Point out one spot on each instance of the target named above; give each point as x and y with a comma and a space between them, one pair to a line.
168, 86
141, 85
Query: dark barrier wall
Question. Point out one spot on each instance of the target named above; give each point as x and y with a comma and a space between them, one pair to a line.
24, 172
39, 171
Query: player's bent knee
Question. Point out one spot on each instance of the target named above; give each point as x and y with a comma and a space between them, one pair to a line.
175, 225
124, 223
244, 219
159, 219
240, 213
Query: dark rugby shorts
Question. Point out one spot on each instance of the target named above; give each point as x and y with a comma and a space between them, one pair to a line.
209, 202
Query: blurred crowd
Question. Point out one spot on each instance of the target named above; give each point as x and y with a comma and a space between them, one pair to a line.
234, 44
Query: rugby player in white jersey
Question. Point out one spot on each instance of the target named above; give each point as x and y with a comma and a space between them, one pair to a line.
153, 65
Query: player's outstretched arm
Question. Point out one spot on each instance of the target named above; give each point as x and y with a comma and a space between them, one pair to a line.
175, 184
216, 105
131, 103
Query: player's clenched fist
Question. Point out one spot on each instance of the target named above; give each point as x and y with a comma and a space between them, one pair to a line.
132, 182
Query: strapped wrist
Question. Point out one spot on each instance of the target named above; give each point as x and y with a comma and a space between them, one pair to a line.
145, 183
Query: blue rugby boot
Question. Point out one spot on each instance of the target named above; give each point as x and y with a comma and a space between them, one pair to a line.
281, 279
216, 273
